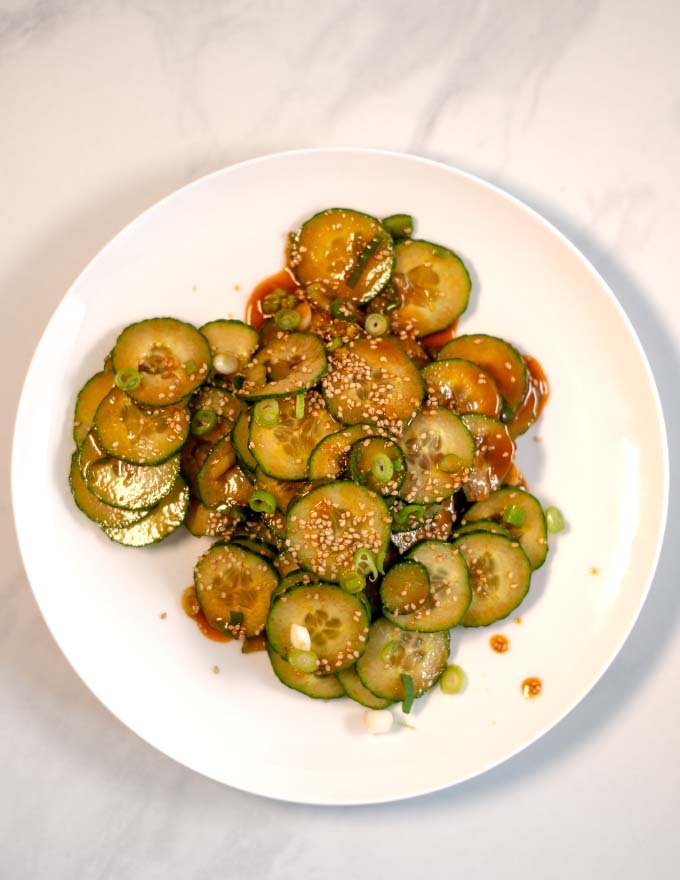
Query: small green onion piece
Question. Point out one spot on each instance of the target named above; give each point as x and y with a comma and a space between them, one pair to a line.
514, 516
364, 563
235, 619
450, 463
262, 502
190, 367
288, 301
376, 324
409, 693
353, 582
338, 309
388, 651
554, 520
303, 661
452, 680
380, 561
399, 225
128, 380
287, 319
363, 259
416, 511
334, 344
266, 413
272, 301
299, 406
317, 293
382, 467
203, 420
225, 363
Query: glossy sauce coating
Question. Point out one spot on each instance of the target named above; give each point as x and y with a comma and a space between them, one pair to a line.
192, 609
254, 314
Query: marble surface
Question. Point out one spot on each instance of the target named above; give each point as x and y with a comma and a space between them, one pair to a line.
573, 106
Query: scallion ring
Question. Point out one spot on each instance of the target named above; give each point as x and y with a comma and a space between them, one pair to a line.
262, 502
364, 563
382, 467
354, 582
554, 520
402, 516
303, 661
376, 324
202, 421
287, 319
452, 680
128, 379
266, 413
226, 364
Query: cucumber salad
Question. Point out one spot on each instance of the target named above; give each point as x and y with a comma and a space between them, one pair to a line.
351, 456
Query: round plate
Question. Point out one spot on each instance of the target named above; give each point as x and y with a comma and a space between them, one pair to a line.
601, 458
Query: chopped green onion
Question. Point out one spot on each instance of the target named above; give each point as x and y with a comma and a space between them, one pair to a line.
190, 367
303, 661
399, 225
225, 363
450, 463
203, 420
299, 406
235, 619
262, 502
317, 293
382, 467
341, 309
376, 324
335, 343
364, 563
288, 301
409, 693
390, 651
128, 380
554, 520
266, 413
272, 301
353, 582
514, 515
287, 319
363, 259
452, 680
380, 561
417, 511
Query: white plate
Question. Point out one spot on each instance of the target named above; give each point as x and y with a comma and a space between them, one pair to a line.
602, 459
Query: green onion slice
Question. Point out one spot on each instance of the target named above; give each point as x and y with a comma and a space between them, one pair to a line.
334, 343
382, 467
376, 324
262, 502
409, 693
266, 413
452, 680
399, 225
554, 520
364, 563
202, 421
287, 319
354, 582
417, 511
128, 380
514, 516
303, 661
299, 406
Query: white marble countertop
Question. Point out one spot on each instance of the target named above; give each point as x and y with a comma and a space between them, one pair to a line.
573, 106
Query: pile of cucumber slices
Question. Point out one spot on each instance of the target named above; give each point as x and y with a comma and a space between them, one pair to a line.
355, 472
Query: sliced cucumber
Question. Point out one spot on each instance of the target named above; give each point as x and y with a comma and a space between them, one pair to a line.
204, 521
500, 575
326, 527
434, 286
296, 578
392, 652
439, 452
449, 595
538, 391
192, 457
462, 386
226, 408
498, 358
220, 481
138, 436
436, 526
355, 690
494, 453
119, 484
319, 687
239, 438
159, 522
330, 457
263, 548
233, 587
283, 450
284, 491
372, 380
285, 366
171, 357
232, 339
337, 623
92, 507
347, 252
90, 396
405, 587
379, 464
532, 535
482, 525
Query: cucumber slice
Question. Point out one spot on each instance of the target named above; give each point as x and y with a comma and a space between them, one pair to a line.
372, 380
482, 525
92, 507
500, 575
326, 527
435, 438
159, 522
392, 652
379, 464
239, 439
284, 491
119, 484
192, 458
412, 348
435, 527
90, 396
405, 587
434, 286
463, 387
224, 404
204, 521
232, 338
138, 436
535, 399
283, 450
532, 535
330, 457
347, 252
233, 587
220, 481
449, 596
319, 687
337, 623
172, 359
351, 684
276, 523
494, 452
296, 578
498, 358
285, 366
263, 548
